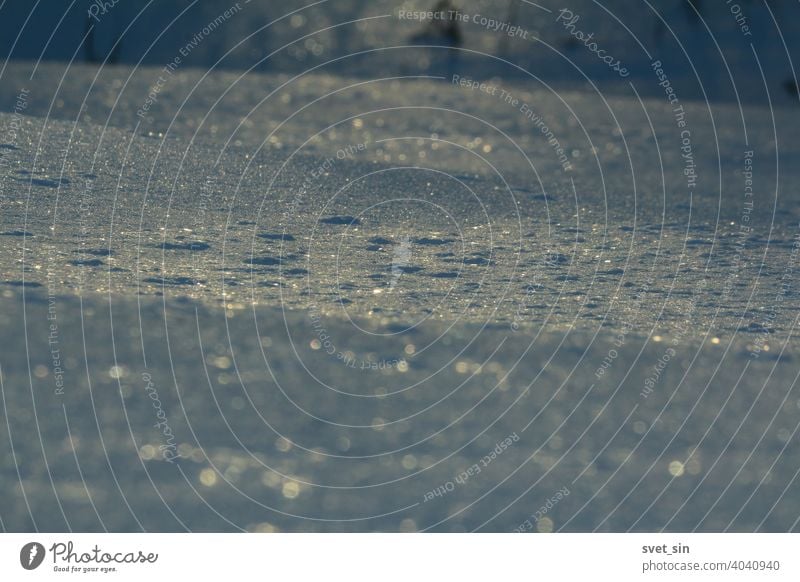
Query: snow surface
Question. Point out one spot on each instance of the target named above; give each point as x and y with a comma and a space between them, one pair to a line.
306, 299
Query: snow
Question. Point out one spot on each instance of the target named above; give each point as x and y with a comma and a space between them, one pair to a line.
373, 296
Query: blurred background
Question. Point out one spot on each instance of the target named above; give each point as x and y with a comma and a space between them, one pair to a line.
295, 36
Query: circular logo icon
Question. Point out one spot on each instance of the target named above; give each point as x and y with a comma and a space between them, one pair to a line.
31, 555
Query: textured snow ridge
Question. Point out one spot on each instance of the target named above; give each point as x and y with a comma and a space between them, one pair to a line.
88, 209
